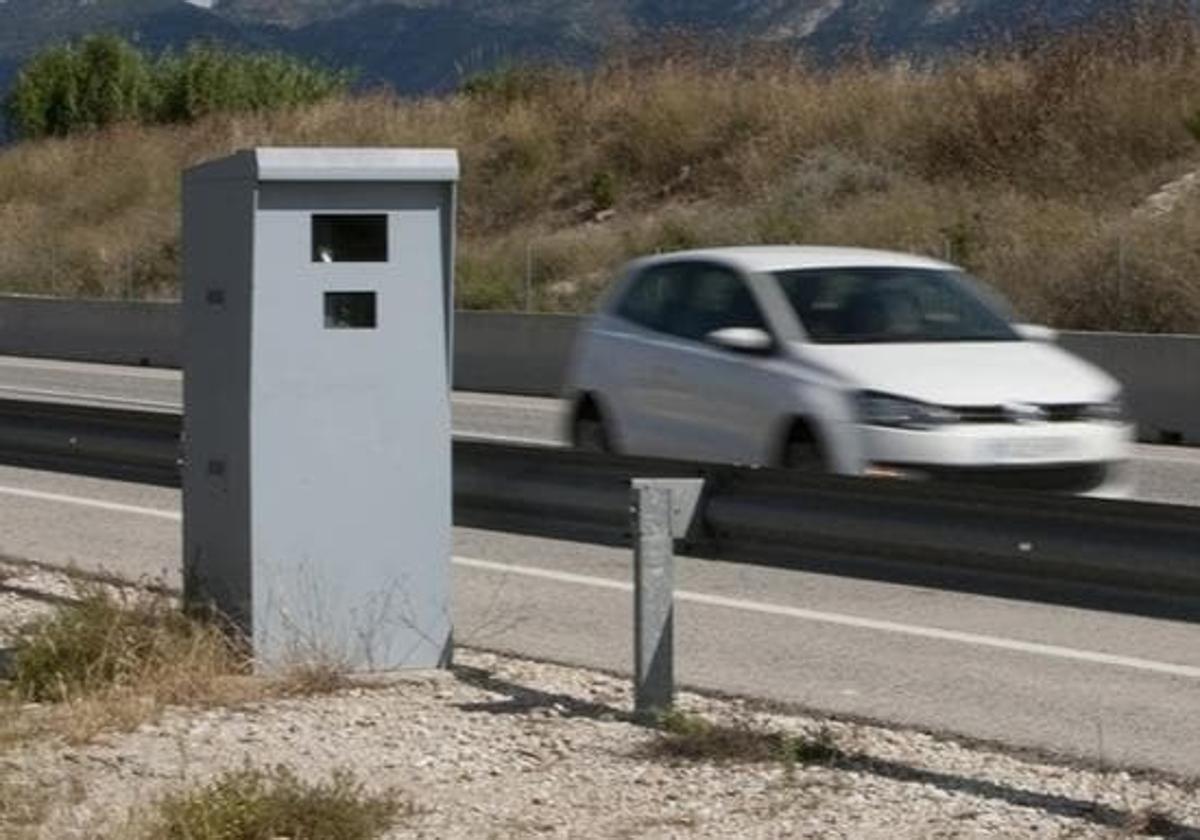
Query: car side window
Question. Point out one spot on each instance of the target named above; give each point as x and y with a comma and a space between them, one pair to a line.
653, 296
717, 299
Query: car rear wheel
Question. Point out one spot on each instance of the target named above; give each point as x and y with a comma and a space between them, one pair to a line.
590, 435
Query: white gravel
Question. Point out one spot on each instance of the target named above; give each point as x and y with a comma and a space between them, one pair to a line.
502, 747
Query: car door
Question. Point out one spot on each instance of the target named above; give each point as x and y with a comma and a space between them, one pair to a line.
634, 359
731, 400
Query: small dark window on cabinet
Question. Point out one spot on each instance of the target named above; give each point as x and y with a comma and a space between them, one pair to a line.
350, 311
349, 238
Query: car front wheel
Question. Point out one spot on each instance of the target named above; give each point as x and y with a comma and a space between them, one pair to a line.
802, 453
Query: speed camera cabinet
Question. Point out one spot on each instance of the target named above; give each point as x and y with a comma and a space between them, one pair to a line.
318, 295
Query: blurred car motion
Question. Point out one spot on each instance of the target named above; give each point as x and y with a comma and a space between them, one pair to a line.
842, 360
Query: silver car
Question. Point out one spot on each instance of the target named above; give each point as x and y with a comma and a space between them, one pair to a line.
842, 360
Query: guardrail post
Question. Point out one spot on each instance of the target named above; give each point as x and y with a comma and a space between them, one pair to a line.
662, 512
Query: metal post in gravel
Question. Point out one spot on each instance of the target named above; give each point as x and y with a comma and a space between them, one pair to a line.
662, 512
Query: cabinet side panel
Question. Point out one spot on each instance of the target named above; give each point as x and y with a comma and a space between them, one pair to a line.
218, 255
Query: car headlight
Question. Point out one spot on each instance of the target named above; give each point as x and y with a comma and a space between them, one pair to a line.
1112, 411
876, 409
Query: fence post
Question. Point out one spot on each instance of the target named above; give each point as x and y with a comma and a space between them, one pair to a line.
663, 510
529, 276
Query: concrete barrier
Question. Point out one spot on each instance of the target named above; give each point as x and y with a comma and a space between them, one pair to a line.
1161, 374
514, 353
105, 331
501, 351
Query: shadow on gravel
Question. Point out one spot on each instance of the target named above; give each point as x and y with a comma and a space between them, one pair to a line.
36, 595
521, 699
1147, 824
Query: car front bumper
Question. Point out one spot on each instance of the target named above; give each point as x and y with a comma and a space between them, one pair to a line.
1087, 458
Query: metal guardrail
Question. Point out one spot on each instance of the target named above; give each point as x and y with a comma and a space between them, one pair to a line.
130, 444
834, 523
748, 515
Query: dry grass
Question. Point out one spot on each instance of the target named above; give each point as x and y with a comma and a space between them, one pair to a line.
23, 807
27, 800
306, 679
1023, 164
254, 804
108, 662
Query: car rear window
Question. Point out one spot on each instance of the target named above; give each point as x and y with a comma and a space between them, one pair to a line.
690, 300
653, 296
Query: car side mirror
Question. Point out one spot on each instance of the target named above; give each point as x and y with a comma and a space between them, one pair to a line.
1036, 332
749, 340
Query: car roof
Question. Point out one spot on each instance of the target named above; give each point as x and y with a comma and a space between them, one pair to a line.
768, 258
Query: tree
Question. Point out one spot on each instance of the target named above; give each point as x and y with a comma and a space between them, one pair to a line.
103, 80
100, 81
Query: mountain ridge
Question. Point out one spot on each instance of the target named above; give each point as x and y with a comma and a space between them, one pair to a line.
427, 46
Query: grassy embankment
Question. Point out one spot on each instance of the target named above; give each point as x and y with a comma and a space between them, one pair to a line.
1026, 165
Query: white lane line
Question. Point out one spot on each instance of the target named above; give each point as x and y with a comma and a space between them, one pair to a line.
1182, 456
545, 574
515, 401
1034, 648
97, 504
85, 396
79, 396
550, 443
90, 368
1013, 645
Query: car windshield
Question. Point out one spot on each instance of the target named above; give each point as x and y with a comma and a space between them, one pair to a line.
888, 305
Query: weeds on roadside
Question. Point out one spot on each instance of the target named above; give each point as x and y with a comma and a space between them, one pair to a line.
305, 679
692, 737
99, 644
252, 804
105, 661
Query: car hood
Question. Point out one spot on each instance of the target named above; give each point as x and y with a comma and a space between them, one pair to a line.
966, 373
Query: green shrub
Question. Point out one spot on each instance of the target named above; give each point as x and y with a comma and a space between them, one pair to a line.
1192, 123
103, 80
822, 748
66, 89
207, 80
603, 189
260, 805
488, 283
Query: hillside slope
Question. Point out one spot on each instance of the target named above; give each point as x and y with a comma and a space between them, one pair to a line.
1025, 167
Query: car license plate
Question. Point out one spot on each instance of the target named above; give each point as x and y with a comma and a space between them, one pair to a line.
1027, 449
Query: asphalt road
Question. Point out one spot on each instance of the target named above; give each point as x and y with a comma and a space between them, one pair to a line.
1081, 683
1084, 683
1163, 474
